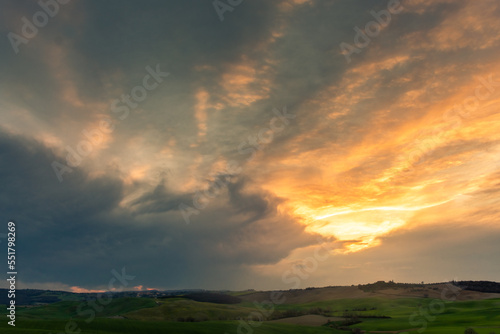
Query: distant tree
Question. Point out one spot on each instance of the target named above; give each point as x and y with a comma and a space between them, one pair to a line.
470, 331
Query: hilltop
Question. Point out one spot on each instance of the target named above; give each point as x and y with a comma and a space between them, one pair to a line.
449, 307
469, 290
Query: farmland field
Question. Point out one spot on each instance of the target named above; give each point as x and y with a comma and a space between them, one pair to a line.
371, 314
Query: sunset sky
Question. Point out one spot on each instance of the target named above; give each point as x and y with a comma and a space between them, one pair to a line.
250, 144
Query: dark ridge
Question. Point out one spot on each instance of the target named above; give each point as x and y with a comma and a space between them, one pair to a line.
29, 297
380, 285
210, 297
479, 286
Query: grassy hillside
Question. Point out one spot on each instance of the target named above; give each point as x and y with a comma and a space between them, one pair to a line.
190, 310
179, 315
69, 309
407, 313
385, 291
113, 326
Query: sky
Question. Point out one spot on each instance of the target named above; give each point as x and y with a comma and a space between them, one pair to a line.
250, 144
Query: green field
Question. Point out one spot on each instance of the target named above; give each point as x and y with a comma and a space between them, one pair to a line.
105, 326
178, 315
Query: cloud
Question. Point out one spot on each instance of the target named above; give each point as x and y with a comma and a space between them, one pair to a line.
85, 230
78, 289
387, 146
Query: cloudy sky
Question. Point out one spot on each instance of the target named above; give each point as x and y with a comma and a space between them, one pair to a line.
250, 144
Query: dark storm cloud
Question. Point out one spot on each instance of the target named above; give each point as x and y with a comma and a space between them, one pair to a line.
106, 38
75, 232
159, 200
110, 43
56, 220
28, 180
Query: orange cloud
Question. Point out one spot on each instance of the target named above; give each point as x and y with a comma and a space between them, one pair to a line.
244, 83
395, 156
201, 112
78, 289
